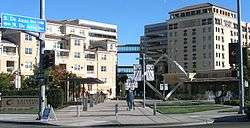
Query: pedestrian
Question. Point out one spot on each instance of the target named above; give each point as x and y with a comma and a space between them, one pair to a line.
130, 99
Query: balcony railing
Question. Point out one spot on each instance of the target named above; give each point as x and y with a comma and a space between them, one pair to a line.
9, 53
10, 69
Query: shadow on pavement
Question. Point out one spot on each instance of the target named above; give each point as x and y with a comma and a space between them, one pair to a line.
236, 118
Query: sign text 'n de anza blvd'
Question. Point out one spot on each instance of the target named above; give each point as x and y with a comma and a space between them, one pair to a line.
11, 21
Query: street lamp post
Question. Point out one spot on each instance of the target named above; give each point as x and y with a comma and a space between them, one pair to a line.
41, 82
241, 84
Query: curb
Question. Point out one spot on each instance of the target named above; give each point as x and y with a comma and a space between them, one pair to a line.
156, 124
27, 122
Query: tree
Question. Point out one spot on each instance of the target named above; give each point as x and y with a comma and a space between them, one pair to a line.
56, 77
29, 82
6, 81
121, 80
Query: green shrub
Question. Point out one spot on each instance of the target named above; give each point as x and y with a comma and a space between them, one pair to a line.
55, 97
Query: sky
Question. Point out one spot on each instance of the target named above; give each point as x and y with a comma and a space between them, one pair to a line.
129, 15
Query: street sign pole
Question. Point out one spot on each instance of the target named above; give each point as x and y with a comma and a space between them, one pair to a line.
41, 82
144, 81
241, 82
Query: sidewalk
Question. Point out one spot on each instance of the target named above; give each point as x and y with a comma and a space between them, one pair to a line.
104, 114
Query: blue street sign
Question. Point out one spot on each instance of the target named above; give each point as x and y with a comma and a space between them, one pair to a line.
22, 23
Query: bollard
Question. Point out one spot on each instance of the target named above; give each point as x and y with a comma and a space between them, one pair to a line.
85, 104
78, 111
91, 104
116, 111
154, 110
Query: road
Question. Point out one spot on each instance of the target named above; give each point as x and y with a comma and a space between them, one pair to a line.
215, 125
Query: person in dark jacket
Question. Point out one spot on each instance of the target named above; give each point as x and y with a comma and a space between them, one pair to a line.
130, 98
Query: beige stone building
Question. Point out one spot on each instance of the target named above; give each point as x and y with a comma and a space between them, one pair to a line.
85, 48
8, 55
198, 37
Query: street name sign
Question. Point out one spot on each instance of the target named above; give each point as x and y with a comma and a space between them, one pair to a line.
131, 84
137, 72
17, 22
150, 72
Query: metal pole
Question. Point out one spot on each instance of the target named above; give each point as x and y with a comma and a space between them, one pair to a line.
241, 85
164, 89
154, 110
144, 81
41, 83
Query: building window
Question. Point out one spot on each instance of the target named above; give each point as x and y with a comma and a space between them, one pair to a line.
90, 56
222, 39
204, 46
77, 42
104, 57
28, 50
90, 87
217, 21
111, 46
223, 64
82, 32
72, 30
204, 55
175, 26
182, 14
77, 55
28, 65
204, 38
175, 34
170, 34
192, 12
103, 68
170, 27
204, 10
222, 31
193, 31
28, 37
90, 68
198, 12
77, 67
222, 55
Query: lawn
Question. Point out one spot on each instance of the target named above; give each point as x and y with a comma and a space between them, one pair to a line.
187, 109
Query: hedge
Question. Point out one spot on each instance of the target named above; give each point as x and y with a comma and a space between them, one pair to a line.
232, 102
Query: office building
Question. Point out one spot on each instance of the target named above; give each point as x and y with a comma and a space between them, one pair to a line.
198, 37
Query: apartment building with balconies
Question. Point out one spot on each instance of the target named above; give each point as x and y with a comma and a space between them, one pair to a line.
8, 56
85, 48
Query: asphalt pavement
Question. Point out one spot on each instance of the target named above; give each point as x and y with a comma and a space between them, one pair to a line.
214, 125
103, 115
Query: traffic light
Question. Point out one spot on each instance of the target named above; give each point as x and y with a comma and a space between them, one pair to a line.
48, 59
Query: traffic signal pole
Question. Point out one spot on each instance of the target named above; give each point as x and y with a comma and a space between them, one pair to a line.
40, 65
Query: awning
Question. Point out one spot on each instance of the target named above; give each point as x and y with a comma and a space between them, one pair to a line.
88, 80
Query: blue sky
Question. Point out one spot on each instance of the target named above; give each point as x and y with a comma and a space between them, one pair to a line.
129, 15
